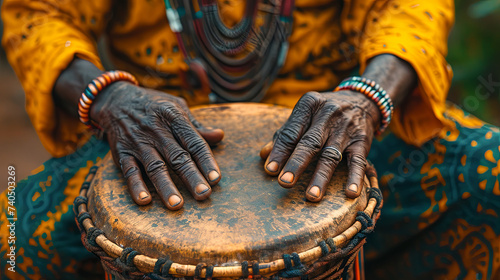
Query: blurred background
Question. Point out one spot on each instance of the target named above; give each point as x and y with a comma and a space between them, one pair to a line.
473, 54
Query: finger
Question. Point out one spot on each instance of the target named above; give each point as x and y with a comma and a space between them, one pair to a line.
371, 172
183, 165
135, 183
329, 158
211, 135
266, 150
308, 147
199, 150
158, 174
356, 161
292, 131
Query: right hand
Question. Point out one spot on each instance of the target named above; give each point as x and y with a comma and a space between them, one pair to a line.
157, 131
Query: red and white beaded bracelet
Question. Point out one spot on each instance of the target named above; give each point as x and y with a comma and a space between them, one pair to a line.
93, 89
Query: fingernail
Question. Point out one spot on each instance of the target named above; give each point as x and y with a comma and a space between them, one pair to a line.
174, 200
213, 175
201, 189
353, 188
272, 166
314, 191
209, 127
287, 177
143, 195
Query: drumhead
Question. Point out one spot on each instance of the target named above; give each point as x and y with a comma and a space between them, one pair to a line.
247, 217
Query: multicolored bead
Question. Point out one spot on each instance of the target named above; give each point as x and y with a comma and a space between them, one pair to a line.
373, 91
96, 86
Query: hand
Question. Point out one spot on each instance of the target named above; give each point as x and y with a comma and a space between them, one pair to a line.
156, 130
343, 120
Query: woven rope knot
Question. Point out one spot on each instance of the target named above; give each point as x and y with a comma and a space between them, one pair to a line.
85, 186
125, 263
93, 169
288, 261
92, 234
79, 200
198, 269
127, 257
244, 269
158, 264
165, 270
331, 243
365, 220
377, 194
296, 269
324, 248
161, 269
255, 269
82, 216
210, 272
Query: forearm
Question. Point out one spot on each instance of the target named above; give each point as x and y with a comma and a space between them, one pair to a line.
72, 81
394, 75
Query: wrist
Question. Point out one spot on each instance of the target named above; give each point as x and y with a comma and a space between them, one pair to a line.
71, 82
92, 91
392, 73
105, 97
370, 108
375, 93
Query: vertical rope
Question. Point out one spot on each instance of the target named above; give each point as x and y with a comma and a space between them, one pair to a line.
198, 269
244, 269
255, 269
210, 272
324, 248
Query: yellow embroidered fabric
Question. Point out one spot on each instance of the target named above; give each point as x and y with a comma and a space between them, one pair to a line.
330, 38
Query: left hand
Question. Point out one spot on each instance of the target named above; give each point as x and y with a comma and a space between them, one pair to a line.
343, 121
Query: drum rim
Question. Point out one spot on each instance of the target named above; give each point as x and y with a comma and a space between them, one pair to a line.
147, 264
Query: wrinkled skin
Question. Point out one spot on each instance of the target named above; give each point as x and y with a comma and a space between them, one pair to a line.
157, 131
147, 131
343, 120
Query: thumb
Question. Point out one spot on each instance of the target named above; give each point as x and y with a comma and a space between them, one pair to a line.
211, 135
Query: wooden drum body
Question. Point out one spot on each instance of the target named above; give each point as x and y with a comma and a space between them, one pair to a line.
249, 224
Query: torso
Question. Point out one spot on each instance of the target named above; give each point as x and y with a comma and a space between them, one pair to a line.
317, 58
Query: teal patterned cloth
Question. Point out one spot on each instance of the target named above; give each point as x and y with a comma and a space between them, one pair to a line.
441, 211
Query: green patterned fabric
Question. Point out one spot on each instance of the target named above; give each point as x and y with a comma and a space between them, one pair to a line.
440, 218
48, 242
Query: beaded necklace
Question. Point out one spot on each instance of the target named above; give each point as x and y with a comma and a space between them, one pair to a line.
239, 63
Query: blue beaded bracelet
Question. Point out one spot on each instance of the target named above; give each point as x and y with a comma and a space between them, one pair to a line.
376, 93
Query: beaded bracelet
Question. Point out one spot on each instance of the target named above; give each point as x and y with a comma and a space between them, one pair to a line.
96, 86
376, 93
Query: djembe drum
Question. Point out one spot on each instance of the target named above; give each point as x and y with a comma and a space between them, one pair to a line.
250, 227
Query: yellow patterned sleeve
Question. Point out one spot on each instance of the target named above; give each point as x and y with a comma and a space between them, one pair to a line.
417, 32
41, 38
